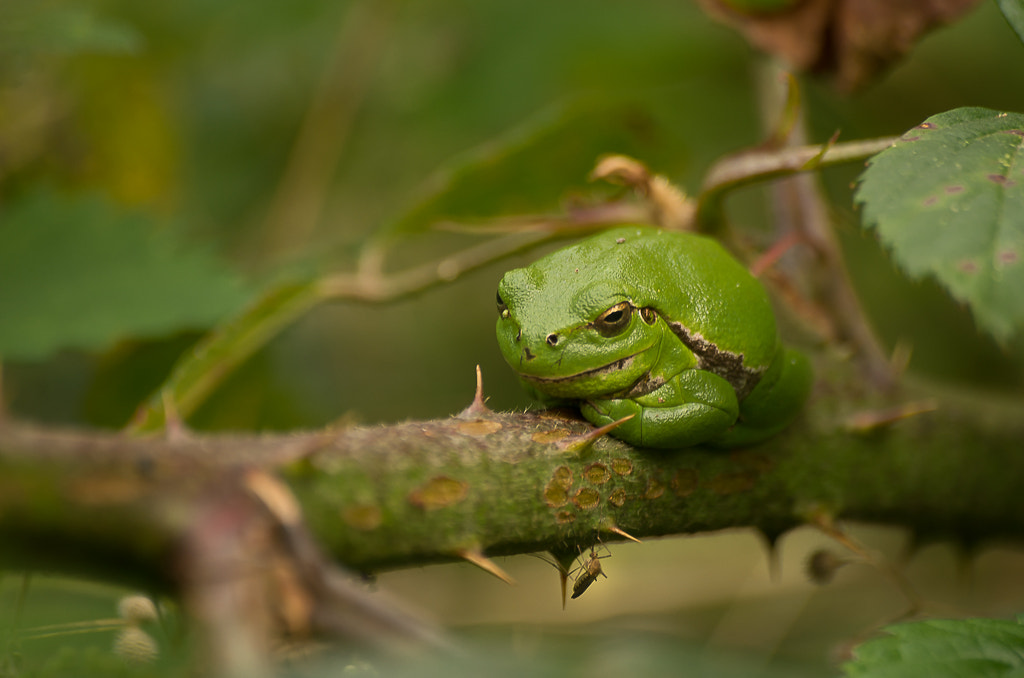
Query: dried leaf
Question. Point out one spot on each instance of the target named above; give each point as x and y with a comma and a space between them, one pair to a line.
850, 41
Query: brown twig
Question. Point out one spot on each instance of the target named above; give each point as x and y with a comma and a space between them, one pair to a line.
799, 205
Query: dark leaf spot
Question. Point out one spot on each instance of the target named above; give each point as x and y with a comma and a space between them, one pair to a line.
622, 466
926, 125
555, 495
1009, 257
562, 476
439, 492
997, 178
597, 473
954, 189
930, 200
1017, 132
968, 266
654, 489
364, 517
587, 498
753, 461
565, 517
732, 483
684, 482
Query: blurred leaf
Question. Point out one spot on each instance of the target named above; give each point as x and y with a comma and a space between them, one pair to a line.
199, 371
1013, 10
79, 273
947, 200
533, 168
940, 648
64, 29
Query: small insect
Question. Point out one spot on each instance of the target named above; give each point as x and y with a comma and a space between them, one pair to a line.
589, 571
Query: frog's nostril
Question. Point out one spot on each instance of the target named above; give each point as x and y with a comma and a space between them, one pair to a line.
528, 354
552, 339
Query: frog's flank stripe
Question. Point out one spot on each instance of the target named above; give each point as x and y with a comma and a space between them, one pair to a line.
725, 364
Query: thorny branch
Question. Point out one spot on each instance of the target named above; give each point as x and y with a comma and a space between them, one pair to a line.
246, 527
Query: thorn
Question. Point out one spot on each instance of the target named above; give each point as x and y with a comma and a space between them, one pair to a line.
563, 561
774, 564
615, 529
274, 495
771, 544
564, 580
920, 539
174, 427
965, 550
815, 162
477, 407
872, 420
583, 443
825, 522
476, 557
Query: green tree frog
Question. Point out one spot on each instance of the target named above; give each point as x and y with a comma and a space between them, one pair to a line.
662, 325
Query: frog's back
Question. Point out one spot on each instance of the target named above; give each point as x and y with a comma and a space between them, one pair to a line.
695, 284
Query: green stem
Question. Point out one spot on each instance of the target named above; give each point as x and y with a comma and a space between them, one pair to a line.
420, 492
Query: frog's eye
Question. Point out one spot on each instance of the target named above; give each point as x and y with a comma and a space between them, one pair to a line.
614, 320
502, 308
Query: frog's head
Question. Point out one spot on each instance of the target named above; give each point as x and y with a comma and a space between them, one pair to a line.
572, 331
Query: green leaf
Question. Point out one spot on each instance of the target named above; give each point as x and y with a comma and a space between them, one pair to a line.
947, 200
42, 27
531, 169
81, 273
200, 371
1013, 10
975, 648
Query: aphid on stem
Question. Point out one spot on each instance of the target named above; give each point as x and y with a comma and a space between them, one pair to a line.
590, 569
586, 573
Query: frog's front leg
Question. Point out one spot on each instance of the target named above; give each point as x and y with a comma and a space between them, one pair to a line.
688, 409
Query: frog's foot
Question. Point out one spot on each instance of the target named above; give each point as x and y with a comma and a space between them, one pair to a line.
660, 427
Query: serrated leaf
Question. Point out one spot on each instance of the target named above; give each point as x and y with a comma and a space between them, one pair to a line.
80, 273
975, 648
947, 200
1013, 10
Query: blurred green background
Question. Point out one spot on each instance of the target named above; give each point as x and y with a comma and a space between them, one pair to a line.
267, 139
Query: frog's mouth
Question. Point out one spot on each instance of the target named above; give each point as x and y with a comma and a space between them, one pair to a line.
614, 366
562, 384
